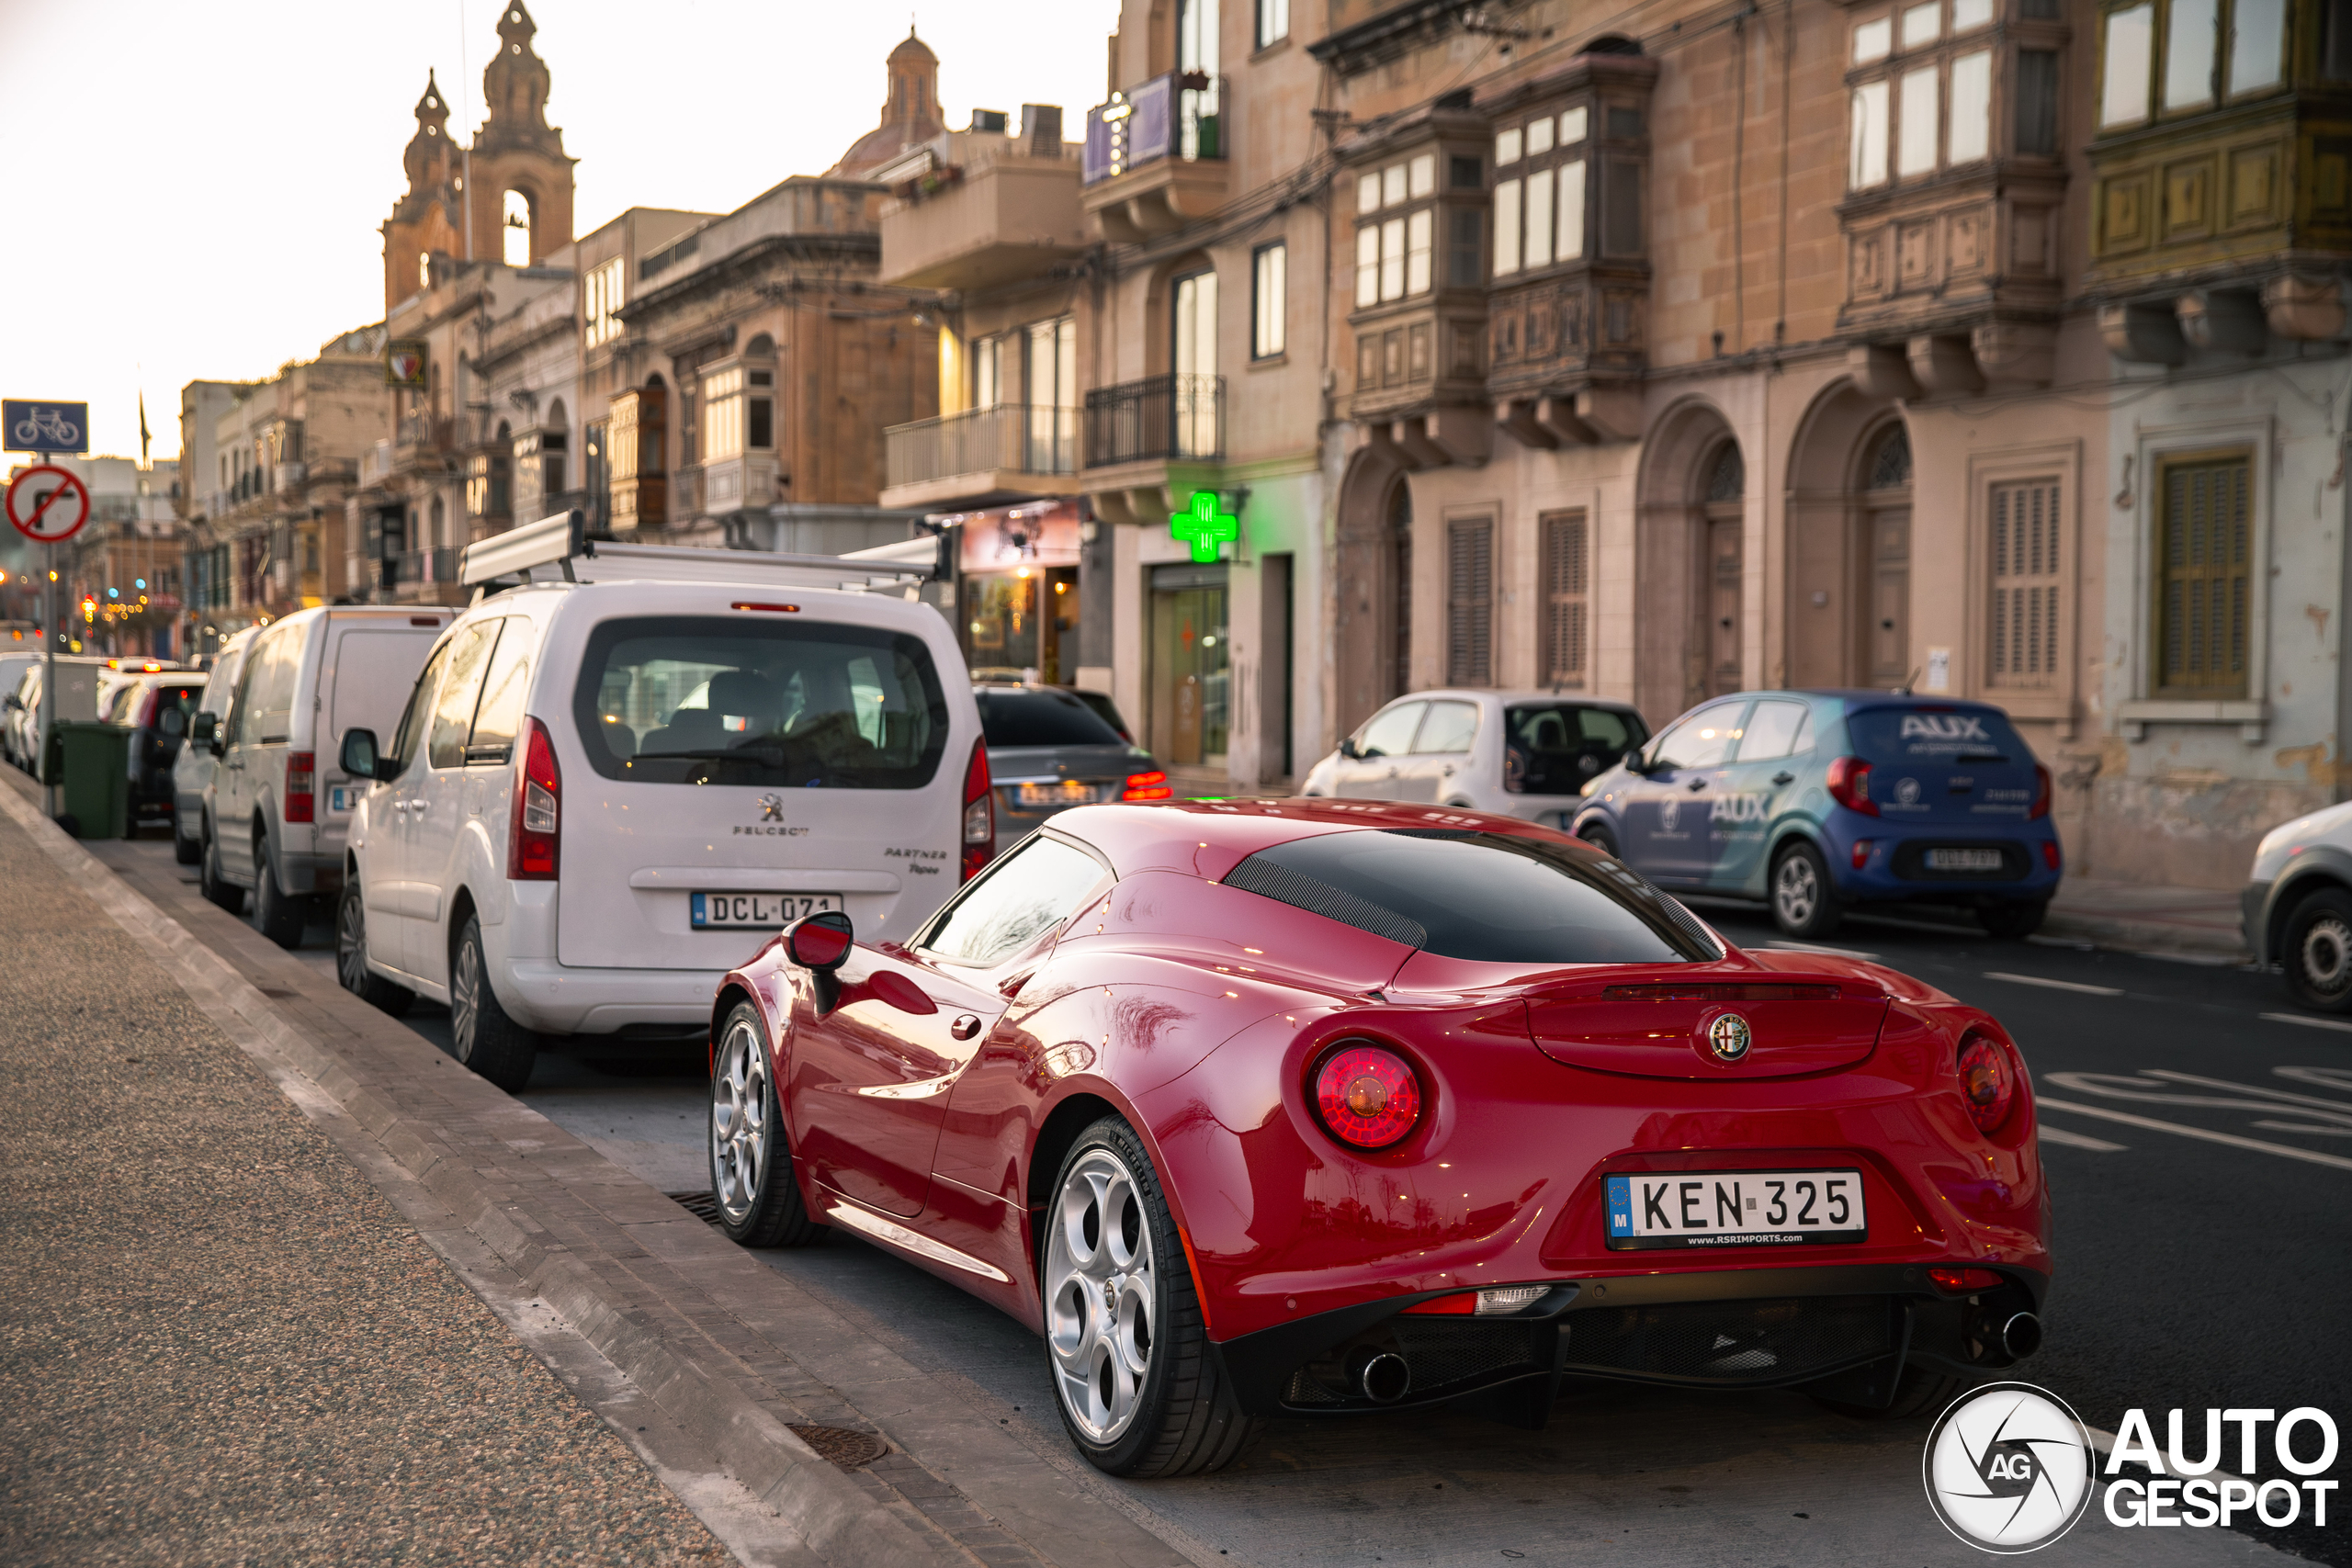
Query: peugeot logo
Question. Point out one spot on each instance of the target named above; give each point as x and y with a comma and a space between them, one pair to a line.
1728, 1037
771, 809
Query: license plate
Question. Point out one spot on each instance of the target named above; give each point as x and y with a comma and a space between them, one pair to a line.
1964, 860
1735, 1208
1068, 792
765, 911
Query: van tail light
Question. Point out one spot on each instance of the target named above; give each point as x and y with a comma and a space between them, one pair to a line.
1152, 785
1987, 1081
2050, 856
534, 835
980, 813
2041, 792
301, 785
1849, 785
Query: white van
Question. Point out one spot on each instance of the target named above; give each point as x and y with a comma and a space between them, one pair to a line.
277, 808
607, 792
192, 769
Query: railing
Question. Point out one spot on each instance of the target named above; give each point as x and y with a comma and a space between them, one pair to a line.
421, 430
1174, 115
432, 566
1023, 438
1161, 416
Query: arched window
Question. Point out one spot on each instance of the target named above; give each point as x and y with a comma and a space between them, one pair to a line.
516, 227
1727, 477
1890, 465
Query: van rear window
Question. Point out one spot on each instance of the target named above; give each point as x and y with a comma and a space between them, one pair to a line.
803, 704
1936, 734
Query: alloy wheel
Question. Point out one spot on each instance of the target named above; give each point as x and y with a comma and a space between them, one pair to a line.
464, 997
351, 943
2327, 954
1101, 1293
1796, 891
739, 1122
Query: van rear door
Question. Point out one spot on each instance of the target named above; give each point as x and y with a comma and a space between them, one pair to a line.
738, 770
1945, 765
371, 664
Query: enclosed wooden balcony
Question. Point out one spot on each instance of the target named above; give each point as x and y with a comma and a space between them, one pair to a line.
1155, 156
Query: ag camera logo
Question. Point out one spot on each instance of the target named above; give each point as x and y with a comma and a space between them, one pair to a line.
2008, 1468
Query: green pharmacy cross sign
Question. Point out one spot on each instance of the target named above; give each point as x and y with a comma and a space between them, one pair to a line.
1203, 526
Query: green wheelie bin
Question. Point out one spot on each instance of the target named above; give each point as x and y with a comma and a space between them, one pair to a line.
93, 762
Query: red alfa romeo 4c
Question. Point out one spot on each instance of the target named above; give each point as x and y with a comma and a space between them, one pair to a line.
1316, 1107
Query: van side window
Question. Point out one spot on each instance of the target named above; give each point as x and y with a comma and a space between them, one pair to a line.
406, 738
453, 714
500, 717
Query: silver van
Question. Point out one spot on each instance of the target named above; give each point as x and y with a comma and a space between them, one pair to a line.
192, 769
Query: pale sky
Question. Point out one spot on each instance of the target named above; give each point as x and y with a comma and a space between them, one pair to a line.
200, 187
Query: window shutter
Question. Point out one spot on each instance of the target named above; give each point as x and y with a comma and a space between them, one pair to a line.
2201, 595
1470, 597
2023, 644
1566, 598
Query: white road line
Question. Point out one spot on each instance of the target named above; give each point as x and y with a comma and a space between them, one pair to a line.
1812, 947
2287, 1095
2307, 1023
2049, 1135
2287, 1151
2054, 985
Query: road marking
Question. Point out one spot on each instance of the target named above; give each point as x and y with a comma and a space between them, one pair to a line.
2049, 1135
2287, 1095
1816, 947
2311, 1157
2054, 985
2307, 1023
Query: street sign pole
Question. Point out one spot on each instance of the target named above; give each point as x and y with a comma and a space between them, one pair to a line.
36, 512
49, 694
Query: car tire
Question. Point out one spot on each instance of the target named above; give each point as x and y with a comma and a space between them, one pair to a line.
2316, 950
185, 850
280, 915
488, 1039
751, 1159
351, 958
216, 889
1919, 1391
1150, 1403
2011, 922
1804, 901
1598, 836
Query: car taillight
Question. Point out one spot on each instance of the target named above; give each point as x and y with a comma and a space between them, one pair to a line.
1152, 785
534, 834
1367, 1097
1861, 853
2041, 806
301, 784
1482, 1303
1961, 1281
1849, 785
980, 813
1985, 1082
2050, 853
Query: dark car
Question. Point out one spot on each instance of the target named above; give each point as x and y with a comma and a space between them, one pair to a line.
156, 710
1049, 749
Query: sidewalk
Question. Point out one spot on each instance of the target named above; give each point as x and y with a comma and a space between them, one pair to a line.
2146, 918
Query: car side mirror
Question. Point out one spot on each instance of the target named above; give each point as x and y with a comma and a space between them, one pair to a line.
1634, 764
818, 943
359, 757
1348, 747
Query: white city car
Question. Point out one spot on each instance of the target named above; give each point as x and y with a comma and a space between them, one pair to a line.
1525, 754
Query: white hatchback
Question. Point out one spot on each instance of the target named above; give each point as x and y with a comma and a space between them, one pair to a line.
1524, 754
606, 793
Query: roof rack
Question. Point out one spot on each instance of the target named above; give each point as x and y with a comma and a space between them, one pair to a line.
563, 542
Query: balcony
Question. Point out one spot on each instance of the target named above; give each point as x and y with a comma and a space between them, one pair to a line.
981, 458
374, 463
1004, 213
1150, 442
1156, 156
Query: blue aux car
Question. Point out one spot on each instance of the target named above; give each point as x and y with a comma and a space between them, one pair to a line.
1818, 802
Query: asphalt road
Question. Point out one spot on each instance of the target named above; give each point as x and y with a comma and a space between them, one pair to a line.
2200, 1145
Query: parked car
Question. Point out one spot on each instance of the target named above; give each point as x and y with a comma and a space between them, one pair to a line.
1049, 749
601, 795
2297, 906
77, 701
192, 769
13, 666
1300, 1108
1816, 802
1104, 709
1524, 754
156, 709
277, 808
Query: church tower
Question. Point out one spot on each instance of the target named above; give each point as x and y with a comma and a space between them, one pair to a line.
909, 117
425, 221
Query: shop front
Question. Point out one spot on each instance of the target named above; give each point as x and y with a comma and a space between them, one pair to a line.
1017, 577
1190, 691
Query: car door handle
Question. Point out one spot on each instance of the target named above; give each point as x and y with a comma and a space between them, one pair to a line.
1698, 783
1784, 778
966, 1025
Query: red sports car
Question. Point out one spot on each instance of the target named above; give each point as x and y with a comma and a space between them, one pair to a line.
1307, 1107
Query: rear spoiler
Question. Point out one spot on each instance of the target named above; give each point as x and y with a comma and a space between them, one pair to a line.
564, 543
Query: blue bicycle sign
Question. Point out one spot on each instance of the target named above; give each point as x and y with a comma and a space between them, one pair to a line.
32, 426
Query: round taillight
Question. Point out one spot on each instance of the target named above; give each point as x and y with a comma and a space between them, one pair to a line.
1368, 1097
1985, 1082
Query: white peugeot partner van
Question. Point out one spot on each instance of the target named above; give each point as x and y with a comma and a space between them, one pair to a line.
608, 790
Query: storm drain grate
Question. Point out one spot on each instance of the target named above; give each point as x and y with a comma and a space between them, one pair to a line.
703, 1206
843, 1447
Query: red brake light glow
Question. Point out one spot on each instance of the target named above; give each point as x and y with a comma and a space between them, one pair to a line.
1986, 1082
1152, 785
534, 839
2050, 853
1961, 1281
2041, 806
1849, 785
774, 609
1861, 853
980, 813
1368, 1098
301, 783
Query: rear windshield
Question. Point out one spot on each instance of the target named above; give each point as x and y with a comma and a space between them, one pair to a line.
1553, 748
183, 700
1486, 895
813, 704
1032, 717
1936, 735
